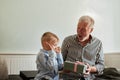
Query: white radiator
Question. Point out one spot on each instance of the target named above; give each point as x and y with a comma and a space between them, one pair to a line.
16, 63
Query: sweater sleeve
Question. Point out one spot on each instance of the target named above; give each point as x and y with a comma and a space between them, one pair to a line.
100, 61
60, 61
46, 61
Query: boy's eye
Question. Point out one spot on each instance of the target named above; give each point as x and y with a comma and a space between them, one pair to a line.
55, 44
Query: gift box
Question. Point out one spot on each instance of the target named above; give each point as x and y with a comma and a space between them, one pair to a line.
74, 67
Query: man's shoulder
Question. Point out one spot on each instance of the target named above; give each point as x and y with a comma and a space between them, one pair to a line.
96, 39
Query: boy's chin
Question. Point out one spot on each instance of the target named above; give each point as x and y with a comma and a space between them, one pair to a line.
47, 49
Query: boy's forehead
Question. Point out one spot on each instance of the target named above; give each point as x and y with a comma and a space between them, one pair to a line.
53, 38
50, 38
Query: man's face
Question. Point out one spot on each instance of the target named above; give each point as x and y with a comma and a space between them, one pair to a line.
83, 30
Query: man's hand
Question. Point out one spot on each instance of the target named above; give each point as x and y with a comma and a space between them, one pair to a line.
89, 69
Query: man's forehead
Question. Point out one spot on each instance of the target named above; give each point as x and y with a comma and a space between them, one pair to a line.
87, 20
84, 22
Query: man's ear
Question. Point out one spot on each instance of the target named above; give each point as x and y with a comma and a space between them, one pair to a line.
91, 30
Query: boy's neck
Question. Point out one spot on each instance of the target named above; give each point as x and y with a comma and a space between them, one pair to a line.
46, 49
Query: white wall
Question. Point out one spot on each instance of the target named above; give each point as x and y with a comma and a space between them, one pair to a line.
22, 22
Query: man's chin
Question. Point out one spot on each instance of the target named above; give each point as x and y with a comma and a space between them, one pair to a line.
81, 40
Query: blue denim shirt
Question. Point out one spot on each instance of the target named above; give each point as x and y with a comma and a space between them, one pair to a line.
48, 64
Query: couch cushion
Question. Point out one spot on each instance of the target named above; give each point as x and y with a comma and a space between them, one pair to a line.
28, 75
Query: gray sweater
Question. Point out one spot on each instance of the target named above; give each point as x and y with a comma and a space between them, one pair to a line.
92, 53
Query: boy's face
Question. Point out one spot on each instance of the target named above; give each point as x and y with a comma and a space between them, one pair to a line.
51, 44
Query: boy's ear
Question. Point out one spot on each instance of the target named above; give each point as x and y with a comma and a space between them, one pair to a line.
44, 42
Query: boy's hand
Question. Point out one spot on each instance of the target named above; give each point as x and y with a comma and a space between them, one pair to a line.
50, 45
57, 49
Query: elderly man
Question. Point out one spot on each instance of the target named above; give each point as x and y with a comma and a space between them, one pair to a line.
85, 48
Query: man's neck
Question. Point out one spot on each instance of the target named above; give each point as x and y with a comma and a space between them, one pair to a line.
84, 43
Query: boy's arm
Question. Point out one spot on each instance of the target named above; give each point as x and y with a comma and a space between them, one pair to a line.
60, 61
46, 61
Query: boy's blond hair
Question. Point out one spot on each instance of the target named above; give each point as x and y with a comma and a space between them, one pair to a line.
47, 36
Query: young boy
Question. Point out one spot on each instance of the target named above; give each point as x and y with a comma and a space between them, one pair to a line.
49, 59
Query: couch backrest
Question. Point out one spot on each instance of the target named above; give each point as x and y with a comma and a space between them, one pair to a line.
112, 60
3, 70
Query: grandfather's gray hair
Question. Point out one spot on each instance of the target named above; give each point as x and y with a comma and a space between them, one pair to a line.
84, 18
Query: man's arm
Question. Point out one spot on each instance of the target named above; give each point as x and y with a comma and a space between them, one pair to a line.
99, 65
64, 49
